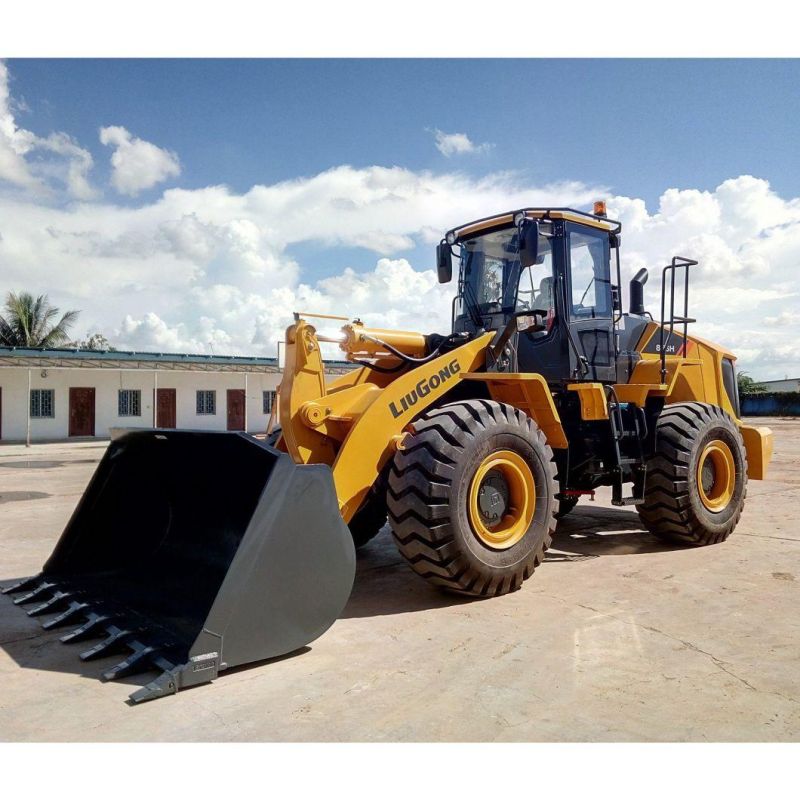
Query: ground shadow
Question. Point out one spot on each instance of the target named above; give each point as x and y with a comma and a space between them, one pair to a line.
592, 531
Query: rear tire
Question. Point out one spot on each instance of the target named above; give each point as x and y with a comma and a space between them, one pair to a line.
697, 479
452, 519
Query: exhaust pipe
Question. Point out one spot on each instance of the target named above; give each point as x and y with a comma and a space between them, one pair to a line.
637, 291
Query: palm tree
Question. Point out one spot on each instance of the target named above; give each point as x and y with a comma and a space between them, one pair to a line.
30, 322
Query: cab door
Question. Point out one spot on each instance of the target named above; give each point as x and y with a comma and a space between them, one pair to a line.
589, 304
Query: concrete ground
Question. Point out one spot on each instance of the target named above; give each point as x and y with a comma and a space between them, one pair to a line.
617, 637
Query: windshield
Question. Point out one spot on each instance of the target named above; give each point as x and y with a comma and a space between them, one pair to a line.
490, 265
492, 282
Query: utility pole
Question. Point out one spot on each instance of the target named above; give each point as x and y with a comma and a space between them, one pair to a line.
28, 421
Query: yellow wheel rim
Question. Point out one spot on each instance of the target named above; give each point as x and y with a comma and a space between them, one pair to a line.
716, 475
502, 499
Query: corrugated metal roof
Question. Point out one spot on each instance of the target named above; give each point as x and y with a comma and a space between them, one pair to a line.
73, 356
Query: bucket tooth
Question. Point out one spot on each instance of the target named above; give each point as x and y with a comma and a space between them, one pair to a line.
23, 585
55, 603
38, 593
165, 684
117, 641
139, 661
96, 625
75, 611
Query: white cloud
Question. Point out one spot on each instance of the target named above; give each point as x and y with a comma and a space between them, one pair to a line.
383, 243
784, 318
456, 144
60, 157
137, 164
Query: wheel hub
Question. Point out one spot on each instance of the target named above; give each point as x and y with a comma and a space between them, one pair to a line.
502, 499
716, 475
493, 498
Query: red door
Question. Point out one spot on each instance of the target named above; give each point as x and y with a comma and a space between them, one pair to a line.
235, 409
81, 411
165, 408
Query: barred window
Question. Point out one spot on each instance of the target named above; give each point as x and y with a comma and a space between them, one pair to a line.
43, 403
206, 401
130, 403
269, 402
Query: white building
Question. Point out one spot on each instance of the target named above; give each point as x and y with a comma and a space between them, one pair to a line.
51, 394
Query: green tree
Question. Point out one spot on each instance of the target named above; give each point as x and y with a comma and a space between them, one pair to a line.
31, 322
748, 386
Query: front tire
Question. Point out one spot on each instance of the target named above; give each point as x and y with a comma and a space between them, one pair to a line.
471, 497
697, 480
369, 520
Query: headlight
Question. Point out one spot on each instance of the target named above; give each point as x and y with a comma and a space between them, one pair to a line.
519, 218
451, 237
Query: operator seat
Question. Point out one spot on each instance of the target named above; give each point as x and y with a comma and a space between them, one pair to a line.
544, 299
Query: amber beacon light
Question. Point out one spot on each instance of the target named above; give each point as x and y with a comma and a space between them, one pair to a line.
600, 208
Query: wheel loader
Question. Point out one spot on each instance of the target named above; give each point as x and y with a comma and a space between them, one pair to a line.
194, 552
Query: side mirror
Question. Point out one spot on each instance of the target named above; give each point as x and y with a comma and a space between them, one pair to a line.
637, 291
444, 262
528, 242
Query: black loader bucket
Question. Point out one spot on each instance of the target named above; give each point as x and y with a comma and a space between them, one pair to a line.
192, 552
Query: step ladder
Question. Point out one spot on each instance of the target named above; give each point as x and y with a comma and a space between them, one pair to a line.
628, 432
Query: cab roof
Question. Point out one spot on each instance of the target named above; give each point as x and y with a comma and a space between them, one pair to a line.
499, 220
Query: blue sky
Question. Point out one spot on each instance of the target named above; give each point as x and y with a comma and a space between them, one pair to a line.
636, 126
563, 130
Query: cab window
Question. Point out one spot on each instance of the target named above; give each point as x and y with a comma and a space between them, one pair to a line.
589, 274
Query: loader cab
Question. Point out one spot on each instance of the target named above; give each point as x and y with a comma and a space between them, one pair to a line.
568, 288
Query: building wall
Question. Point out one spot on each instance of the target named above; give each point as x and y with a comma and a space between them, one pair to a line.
107, 382
786, 385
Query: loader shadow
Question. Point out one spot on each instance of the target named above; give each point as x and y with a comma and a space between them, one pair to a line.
386, 585
592, 531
